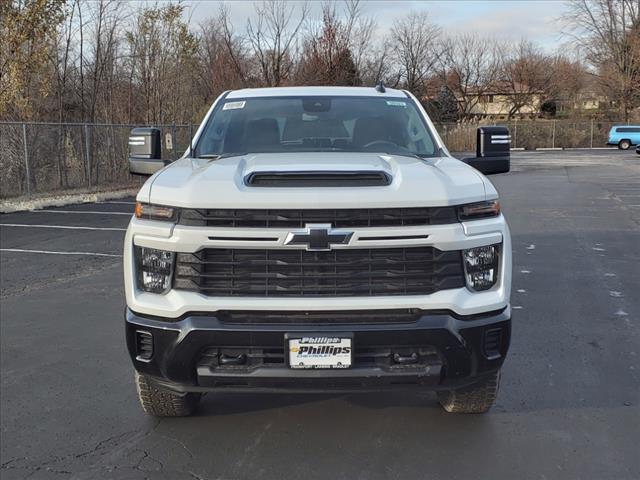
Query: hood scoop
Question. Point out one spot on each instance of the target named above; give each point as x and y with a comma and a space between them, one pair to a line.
358, 178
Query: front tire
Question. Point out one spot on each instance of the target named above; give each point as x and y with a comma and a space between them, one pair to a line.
624, 145
476, 398
162, 402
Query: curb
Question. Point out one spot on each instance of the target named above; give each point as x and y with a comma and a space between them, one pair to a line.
12, 206
592, 148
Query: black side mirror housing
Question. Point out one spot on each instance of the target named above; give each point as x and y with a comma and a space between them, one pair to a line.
493, 151
145, 155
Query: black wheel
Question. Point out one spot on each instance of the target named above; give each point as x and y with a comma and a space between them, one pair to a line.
477, 398
624, 145
162, 402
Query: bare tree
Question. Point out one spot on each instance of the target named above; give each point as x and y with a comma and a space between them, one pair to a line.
360, 30
61, 59
326, 57
272, 37
222, 63
569, 79
164, 50
235, 45
415, 42
609, 32
104, 60
525, 76
470, 69
375, 66
105, 22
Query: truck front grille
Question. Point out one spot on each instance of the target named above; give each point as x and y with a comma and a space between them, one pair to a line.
301, 273
339, 218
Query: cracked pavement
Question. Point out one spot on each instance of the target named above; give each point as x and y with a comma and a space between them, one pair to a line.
568, 408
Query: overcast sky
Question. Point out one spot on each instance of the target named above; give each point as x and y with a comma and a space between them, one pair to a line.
535, 20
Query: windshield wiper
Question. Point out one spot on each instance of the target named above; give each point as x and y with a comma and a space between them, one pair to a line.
420, 156
219, 156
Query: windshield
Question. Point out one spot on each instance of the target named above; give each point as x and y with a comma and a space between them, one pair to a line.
316, 124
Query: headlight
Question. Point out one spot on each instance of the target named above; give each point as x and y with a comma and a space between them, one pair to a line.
481, 266
476, 211
156, 212
155, 269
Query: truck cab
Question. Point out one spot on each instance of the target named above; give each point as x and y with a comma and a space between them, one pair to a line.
317, 239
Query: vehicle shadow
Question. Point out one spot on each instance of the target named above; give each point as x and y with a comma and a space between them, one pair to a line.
236, 403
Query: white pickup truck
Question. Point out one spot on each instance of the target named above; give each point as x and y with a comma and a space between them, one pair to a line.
317, 239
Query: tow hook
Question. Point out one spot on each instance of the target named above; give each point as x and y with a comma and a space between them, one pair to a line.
405, 359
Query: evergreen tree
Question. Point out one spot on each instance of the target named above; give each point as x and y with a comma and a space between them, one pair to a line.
447, 105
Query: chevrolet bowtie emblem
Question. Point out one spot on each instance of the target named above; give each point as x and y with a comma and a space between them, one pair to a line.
318, 237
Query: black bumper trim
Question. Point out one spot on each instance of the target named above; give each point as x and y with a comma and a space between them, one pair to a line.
178, 346
451, 313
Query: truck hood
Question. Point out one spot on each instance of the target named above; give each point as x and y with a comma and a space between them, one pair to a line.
201, 183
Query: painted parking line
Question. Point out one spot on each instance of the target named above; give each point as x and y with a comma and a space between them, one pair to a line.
66, 227
82, 211
50, 252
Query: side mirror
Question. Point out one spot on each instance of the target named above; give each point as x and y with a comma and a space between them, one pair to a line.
145, 156
493, 151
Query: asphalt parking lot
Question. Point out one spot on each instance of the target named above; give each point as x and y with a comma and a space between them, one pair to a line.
569, 405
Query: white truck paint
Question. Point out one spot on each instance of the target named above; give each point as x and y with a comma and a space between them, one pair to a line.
438, 181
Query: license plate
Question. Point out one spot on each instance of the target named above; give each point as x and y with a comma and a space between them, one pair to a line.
320, 352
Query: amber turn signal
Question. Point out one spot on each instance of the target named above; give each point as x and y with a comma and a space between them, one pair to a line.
155, 212
474, 211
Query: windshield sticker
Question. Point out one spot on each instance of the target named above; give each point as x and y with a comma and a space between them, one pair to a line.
233, 105
395, 103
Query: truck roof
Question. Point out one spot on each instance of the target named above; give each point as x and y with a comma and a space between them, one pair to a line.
314, 92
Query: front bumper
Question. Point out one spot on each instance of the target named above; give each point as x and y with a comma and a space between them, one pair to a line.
452, 351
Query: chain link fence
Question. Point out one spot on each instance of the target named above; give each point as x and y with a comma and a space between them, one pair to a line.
532, 135
43, 158
39, 158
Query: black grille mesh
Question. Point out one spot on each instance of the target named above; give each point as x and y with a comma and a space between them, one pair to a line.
299, 273
338, 218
